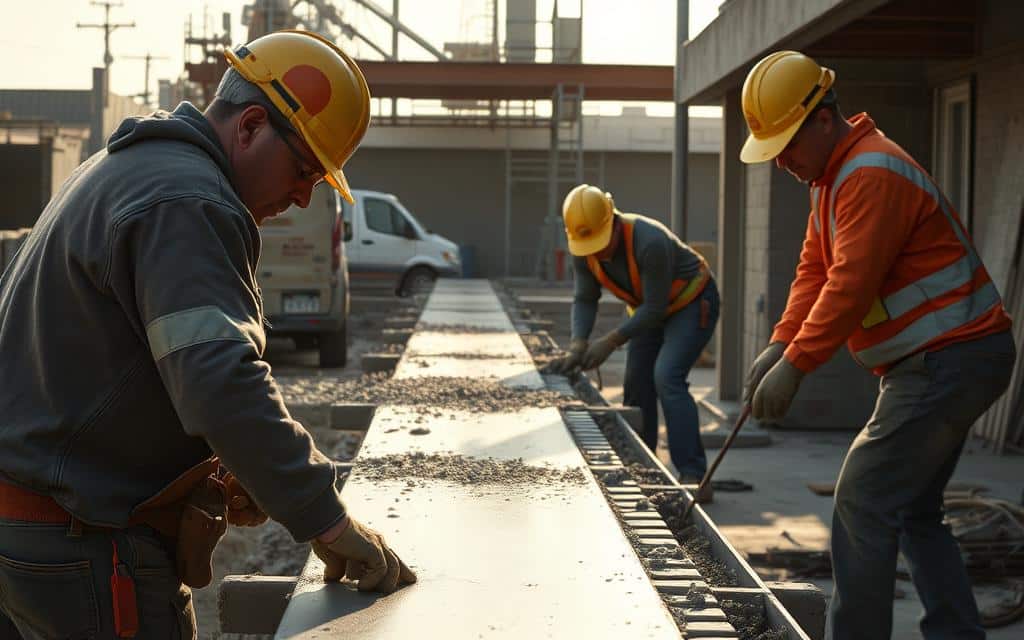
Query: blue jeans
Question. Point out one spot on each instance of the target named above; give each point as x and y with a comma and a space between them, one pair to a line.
658, 363
889, 493
55, 585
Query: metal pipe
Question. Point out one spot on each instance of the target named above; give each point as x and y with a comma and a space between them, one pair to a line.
681, 147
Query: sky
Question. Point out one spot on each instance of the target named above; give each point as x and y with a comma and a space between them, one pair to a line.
48, 51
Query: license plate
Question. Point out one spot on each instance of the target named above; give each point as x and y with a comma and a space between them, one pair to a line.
301, 303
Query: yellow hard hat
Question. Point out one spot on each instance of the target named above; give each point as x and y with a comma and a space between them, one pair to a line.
588, 213
318, 88
779, 93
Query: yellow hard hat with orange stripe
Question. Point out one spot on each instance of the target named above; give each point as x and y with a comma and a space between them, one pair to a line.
318, 88
778, 95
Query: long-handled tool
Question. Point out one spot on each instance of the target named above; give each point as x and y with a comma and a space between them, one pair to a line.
706, 480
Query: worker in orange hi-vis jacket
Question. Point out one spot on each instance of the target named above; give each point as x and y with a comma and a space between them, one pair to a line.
888, 268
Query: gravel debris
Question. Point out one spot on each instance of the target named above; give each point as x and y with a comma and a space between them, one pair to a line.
750, 621
433, 327
429, 394
467, 355
419, 431
671, 505
643, 504
465, 470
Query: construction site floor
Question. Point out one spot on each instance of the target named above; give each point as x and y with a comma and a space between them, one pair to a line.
782, 512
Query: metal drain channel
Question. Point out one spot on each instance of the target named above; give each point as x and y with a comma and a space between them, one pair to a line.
676, 580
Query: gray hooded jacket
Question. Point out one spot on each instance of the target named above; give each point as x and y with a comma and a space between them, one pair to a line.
131, 338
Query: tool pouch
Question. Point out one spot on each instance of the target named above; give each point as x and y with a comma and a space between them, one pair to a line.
203, 524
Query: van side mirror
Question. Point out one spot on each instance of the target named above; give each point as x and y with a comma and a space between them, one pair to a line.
347, 226
410, 232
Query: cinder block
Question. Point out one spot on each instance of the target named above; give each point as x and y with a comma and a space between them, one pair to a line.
311, 415
352, 417
395, 336
805, 602
379, 362
253, 604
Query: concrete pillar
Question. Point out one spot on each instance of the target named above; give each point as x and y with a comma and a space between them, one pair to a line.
729, 270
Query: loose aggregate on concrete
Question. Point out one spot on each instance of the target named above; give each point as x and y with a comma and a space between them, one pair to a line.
466, 470
431, 394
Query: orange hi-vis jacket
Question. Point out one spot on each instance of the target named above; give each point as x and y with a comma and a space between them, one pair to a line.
886, 264
682, 293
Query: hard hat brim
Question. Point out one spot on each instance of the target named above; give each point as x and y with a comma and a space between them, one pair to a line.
593, 244
762, 150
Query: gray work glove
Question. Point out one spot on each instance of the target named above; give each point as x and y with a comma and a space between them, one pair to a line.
361, 554
776, 391
760, 367
600, 349
570, 361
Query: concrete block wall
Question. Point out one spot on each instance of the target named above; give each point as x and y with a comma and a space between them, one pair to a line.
756, 328
999, 156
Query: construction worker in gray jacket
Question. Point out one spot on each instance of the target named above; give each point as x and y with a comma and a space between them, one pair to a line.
137, 411
672, 301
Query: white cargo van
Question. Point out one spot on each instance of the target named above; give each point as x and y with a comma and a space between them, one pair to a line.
388, 247
303, 276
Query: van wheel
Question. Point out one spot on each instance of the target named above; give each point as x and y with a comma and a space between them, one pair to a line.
418, 280
333, 349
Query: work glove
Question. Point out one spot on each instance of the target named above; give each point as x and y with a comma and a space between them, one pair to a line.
760, 367
570, 361
776, 391
600, 349
361, 554
241, 510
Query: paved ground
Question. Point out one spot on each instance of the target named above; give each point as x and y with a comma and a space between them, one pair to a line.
781, 509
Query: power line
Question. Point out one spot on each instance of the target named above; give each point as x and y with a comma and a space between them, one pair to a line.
108, 28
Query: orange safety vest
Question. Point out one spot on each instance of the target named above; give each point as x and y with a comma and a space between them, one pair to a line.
682, 293
936, 292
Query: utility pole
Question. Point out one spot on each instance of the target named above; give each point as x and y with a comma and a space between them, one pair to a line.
108, 28
148, 58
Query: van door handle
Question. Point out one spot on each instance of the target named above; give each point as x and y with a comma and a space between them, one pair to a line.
367, 241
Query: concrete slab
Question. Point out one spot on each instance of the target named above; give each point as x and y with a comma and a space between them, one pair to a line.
518, 562
379, 362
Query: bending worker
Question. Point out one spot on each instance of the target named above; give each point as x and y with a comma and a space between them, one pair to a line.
887, 267
673, 306
138, 412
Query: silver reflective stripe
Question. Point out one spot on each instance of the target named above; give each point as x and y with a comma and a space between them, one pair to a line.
815, 194
193, 326
946, 279
910, 172
930, 326
929, 287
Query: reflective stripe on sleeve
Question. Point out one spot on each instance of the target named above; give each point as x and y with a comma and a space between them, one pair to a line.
181, 329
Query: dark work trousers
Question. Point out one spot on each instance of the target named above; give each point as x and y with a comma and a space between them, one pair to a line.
658, 363
889, 493
57, 586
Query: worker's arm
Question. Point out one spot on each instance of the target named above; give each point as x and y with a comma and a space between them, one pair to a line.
656, 279
874, 218
586, 294
810, 278
185, 267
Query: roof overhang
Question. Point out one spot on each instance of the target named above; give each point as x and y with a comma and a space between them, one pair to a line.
515, 81
745, 30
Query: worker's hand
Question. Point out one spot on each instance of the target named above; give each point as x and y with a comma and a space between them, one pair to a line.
600, 349
570, 361
360, 553
242, 511
776, 391
760, 367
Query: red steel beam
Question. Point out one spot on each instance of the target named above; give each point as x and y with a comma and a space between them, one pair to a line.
515, 81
